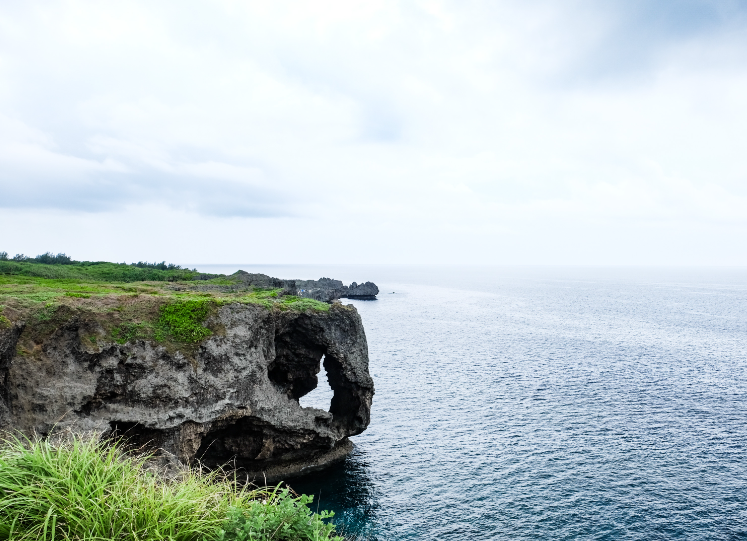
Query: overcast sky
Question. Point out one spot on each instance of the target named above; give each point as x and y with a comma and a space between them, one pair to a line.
344, 131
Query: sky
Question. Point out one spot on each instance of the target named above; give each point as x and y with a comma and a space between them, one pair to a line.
375, 132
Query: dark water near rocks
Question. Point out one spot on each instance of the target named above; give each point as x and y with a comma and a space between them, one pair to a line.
546, 404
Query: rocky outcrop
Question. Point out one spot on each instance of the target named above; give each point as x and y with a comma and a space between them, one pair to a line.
233, 399
324, 289
366, 291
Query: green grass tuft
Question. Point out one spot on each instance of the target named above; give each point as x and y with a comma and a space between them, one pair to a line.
129, 331
301, 304
183, 320
77, 295
84, 490
47, 312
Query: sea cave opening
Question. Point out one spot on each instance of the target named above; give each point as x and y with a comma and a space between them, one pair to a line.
307, 372
319, 397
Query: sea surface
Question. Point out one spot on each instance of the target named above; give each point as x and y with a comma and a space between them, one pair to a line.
545, 403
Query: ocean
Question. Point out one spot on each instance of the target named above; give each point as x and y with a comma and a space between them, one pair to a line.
544, 403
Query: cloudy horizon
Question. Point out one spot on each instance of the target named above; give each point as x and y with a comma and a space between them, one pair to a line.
575, 133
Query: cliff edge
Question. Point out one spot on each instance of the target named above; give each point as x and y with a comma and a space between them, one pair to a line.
231, 396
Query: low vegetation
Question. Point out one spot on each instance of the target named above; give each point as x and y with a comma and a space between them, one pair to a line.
183, 320
81, 489
160, 302
43, 267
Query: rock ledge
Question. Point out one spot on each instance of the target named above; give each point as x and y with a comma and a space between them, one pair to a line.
324, 289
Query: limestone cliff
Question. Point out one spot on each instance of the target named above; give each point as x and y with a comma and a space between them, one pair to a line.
232, 398
324, 289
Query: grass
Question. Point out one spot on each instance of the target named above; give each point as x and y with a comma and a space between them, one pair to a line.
96, 271
175, 313
127, 332
184, 320
81, 489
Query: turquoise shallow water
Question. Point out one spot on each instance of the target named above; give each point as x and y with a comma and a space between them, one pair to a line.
546, 404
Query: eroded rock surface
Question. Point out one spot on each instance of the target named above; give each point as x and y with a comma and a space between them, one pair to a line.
234, 399
324, 289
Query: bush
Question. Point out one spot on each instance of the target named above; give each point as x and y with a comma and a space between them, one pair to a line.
50, 259
280, 517
160, 266
82, 489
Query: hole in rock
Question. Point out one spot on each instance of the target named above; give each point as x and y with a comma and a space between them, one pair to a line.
321, 396
296, 363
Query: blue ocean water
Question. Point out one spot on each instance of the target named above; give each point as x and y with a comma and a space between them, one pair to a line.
546, 403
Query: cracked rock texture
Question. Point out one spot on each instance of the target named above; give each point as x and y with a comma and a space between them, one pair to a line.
232, 400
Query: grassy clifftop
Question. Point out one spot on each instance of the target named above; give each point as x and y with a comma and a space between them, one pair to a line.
165, 304
96, 271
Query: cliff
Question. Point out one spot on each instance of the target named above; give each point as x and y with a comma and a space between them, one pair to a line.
112, 364
324, 289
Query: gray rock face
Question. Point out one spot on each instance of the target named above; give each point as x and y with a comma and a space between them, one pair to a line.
362, 291
324, 289
235, 400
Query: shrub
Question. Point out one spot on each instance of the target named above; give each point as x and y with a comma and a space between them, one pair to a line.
281, 516
81, 489
160, 266
50, 259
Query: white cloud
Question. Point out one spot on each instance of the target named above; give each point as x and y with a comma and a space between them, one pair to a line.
426, 130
